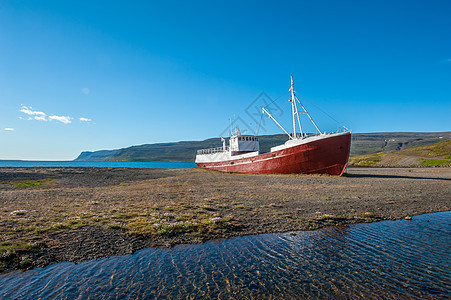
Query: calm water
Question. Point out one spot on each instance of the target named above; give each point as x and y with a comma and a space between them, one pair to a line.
390, 259
108, 164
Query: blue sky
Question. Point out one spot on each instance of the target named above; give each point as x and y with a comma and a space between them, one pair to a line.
90, 75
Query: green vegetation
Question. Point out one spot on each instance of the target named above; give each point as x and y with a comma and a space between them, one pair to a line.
437, 154
173, 223
17, 246
368, 143
435, 162
17, 254
32, 183
366, 160
440, 149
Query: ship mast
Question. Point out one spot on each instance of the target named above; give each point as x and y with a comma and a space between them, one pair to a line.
296, 114
295, 110
293, 107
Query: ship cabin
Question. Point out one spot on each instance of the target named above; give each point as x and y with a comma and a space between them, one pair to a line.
240, 144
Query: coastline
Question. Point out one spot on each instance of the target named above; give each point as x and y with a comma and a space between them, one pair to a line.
74, 214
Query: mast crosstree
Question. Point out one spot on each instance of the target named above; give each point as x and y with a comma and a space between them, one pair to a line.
295, 115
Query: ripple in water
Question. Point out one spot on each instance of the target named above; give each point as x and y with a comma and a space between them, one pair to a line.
390, 259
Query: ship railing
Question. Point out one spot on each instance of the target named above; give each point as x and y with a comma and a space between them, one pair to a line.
342, 129
309, 134
304, 135
213, 150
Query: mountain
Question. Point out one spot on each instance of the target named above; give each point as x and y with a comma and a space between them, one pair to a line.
437, 154
362, 144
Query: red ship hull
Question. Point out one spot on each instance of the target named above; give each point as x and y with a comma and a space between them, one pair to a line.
328, 155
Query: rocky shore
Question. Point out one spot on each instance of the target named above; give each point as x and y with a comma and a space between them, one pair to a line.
50, 215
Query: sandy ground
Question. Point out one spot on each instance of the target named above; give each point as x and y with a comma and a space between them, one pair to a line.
50, 215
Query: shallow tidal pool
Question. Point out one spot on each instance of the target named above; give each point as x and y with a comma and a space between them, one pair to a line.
389, 259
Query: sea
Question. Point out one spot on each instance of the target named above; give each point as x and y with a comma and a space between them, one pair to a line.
385, 260
104, 164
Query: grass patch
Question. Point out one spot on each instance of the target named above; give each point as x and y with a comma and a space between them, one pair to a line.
115, 226
311, 225
440, 149
242, 207
18, 246
171, 224
435, 162
31, 183
208, 208
125, 216
366, 160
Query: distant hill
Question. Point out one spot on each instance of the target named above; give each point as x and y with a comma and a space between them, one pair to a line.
437, 154
177, 151
362, 143
367, 143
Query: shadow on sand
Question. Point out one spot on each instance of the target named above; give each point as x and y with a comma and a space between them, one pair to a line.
392, 176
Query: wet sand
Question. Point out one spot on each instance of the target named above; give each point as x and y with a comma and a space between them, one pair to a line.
51, 215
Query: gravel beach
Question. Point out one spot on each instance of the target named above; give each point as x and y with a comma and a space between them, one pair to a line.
51, 215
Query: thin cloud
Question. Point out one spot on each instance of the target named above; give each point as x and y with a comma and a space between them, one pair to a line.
42, 116
446, 61
29, 111
9, 129
62, 119
85, 91
85, 119
27, 119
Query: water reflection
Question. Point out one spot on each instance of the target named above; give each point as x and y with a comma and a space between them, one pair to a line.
390, 259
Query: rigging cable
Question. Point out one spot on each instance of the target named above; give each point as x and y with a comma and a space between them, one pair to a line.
324, 112
261, 118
